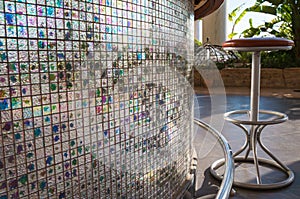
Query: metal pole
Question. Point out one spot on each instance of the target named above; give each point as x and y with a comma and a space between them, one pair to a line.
254, 108
255, 86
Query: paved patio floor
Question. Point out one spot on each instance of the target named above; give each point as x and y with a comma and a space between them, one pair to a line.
282, 139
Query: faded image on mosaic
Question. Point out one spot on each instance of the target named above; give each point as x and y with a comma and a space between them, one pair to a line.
94, 98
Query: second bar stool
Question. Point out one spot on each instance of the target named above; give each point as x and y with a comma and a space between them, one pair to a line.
256, 45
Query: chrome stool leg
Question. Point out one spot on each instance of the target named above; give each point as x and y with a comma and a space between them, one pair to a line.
256, 45
253, 140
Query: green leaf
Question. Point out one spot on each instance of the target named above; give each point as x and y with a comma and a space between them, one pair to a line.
269, 25
233, 14
197, 42
240, 17
275, 2
263, 9
274, 32
231, 35
251, 22
250, 32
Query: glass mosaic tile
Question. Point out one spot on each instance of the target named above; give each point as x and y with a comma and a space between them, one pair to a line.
93, 98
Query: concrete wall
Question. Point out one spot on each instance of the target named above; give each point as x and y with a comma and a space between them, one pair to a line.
214, 26
270, 78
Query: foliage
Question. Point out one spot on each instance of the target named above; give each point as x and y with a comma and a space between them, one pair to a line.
197, 42
279, 26
274, 59
286, 24
233, 18
244, 58
226, 64
278, 59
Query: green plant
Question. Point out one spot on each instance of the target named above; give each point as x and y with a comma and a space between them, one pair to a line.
232, 17
197, 42
278, 59
281, 25
286, 22
244, 58
226, 64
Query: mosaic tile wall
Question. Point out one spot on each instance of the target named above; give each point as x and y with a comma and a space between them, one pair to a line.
93, 98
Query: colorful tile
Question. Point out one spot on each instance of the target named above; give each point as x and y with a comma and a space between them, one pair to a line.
82, 97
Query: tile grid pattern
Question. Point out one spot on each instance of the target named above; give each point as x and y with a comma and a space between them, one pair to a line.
92, 103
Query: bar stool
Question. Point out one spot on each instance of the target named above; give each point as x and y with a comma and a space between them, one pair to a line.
256, 45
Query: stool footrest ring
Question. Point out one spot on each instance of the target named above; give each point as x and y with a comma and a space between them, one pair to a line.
252, 139
279, 117
289, 173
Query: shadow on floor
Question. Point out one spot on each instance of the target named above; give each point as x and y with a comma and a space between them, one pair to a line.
283, 140
290, 192
210, 187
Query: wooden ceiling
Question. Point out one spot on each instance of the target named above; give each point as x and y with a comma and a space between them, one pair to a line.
203, 8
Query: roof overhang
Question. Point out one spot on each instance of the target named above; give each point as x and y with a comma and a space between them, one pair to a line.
203, 8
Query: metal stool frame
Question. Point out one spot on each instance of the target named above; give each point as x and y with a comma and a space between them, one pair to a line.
256, 45
251, 141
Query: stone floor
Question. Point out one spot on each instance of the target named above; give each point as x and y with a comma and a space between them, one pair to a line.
282, 139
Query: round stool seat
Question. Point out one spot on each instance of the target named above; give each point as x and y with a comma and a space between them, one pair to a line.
258, 44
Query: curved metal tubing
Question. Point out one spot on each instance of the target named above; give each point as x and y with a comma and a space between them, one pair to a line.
246, 143
227, 182
253, 144
289, 173
281, 117
270, 153
252, 139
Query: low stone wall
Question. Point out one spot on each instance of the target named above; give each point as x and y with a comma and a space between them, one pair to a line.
233, 77
270, 78
292, 77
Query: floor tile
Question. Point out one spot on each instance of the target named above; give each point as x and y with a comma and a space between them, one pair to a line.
283, 140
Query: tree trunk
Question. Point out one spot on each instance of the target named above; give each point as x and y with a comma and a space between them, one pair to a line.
296, 29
